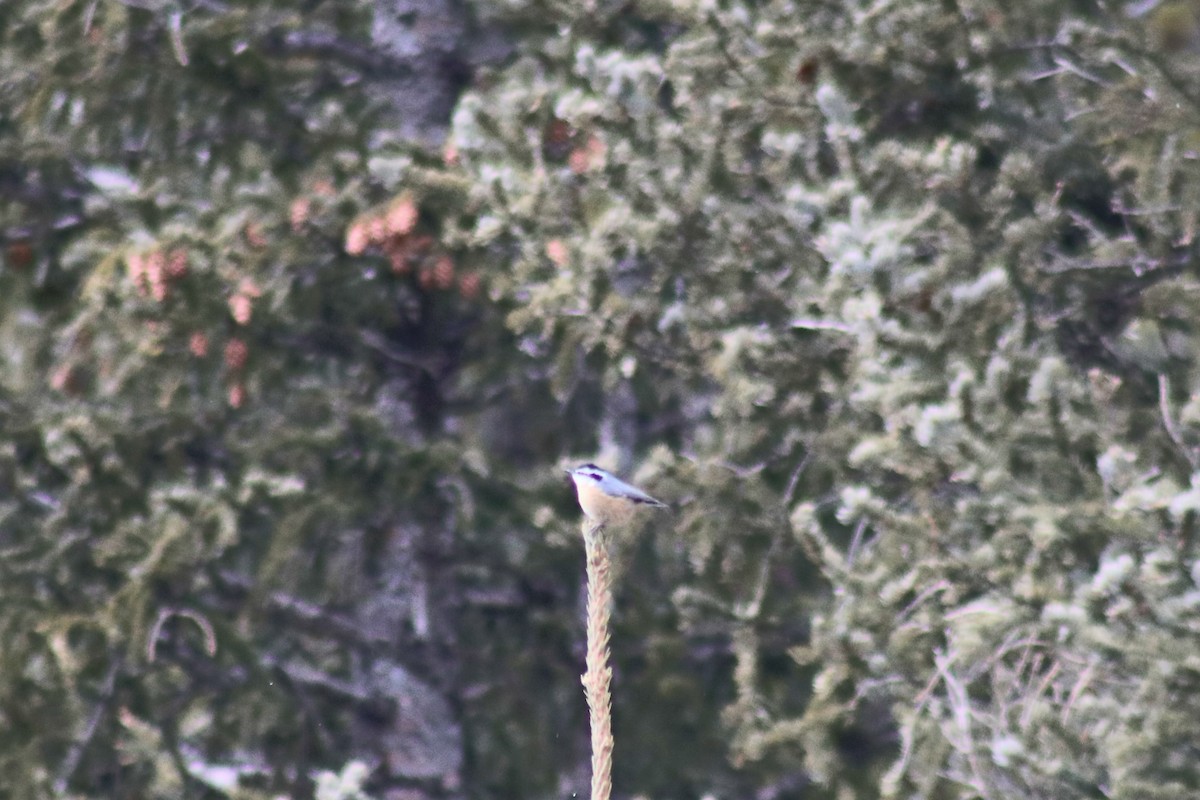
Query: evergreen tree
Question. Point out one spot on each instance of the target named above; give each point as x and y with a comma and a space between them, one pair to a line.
896, 302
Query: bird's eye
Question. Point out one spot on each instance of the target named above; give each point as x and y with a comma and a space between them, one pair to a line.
594, 476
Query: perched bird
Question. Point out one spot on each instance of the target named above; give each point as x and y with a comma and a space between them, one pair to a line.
607, 500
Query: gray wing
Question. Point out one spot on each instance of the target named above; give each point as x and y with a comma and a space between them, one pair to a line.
635, 494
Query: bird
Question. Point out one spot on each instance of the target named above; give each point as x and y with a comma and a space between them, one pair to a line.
607, 500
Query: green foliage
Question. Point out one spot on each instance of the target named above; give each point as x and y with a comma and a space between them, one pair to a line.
893, 274
218, 422
895, 301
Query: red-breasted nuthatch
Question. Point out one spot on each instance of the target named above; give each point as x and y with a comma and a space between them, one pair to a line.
607, 500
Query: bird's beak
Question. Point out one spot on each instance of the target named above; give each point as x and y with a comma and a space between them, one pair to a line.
569, 472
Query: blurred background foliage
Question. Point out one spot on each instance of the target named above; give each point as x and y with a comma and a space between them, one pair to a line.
304, 304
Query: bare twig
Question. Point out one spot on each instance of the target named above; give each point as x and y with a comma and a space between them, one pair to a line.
75, 753
794, 480
89, 15
1081, 684
1164, 407
959, 701
856, 542
175, 24
210, 636
926, 593
1031, 700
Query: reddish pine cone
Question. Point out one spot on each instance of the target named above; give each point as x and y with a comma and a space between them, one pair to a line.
236, 353
443, 273
177, 264
198, 344
468, 285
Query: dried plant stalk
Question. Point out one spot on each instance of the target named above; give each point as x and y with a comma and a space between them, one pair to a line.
597, 681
